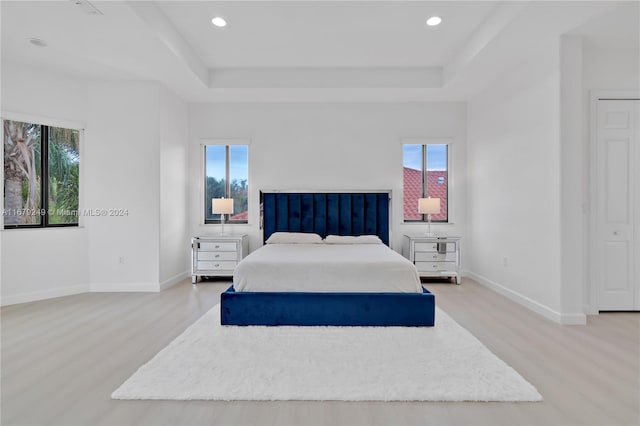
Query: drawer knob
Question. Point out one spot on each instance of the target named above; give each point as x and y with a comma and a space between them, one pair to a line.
217, 265
217, 255
217, 246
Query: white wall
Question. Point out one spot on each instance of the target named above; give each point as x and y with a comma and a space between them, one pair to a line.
134, 149
514, 186
38, 264
138, 152
611, 69
327, 147
174, 206
43, 263
123, 172
574, 220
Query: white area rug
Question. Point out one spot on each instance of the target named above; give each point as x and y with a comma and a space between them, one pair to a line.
441, 363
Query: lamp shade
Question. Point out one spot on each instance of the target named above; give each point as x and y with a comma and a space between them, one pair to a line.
222, 205
429, 205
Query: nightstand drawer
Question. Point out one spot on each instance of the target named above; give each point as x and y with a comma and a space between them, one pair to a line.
215, 266
431, 247
215, 246
435, 266
213, 256
217, 255
434, 256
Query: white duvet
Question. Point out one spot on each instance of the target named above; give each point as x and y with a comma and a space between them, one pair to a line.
373, 268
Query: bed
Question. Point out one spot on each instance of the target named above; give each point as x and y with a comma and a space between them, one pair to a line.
346, 289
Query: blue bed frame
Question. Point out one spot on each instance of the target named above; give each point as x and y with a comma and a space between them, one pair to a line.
327, 213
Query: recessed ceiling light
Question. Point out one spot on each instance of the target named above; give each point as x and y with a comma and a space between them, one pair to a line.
433, 21
38, 42
219, 22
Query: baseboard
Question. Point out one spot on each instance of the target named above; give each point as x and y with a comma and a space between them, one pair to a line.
573, 319
590, 310
173, 280
537, 307
124, 287
139, 287
97, 288
42, 295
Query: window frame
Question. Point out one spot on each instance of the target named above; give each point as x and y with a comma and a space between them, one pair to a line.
424, 193
207, 201
45, 123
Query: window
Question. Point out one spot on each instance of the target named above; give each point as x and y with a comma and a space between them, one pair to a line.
226, 175
425, 174
41, 175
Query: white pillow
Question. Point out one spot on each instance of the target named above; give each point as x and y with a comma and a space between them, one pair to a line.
348, 239
294, 238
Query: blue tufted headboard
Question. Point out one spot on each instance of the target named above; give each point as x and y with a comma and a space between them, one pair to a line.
326, 213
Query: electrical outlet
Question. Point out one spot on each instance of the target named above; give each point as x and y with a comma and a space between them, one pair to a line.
121, 260
505, 261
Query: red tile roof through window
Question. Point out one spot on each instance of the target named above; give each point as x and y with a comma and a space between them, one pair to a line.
437, 182
240, 216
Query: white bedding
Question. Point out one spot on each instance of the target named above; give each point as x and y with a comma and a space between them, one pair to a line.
372, 268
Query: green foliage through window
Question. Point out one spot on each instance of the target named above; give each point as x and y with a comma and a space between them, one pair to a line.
226, 176
35, 154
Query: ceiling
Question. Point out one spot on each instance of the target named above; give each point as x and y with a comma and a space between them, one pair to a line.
326, 34
305, 50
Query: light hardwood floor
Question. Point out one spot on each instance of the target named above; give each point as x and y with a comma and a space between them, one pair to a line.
62, 358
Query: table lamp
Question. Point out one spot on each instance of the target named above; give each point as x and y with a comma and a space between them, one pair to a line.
429, 206
222, 206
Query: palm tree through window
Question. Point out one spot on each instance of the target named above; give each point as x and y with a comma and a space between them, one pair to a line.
41, 175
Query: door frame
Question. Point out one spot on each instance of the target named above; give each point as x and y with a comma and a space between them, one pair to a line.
591, 306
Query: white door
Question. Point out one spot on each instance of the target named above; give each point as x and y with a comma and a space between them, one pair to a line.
617, 172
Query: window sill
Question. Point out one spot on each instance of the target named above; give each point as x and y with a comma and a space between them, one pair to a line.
45, 228
420, 223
